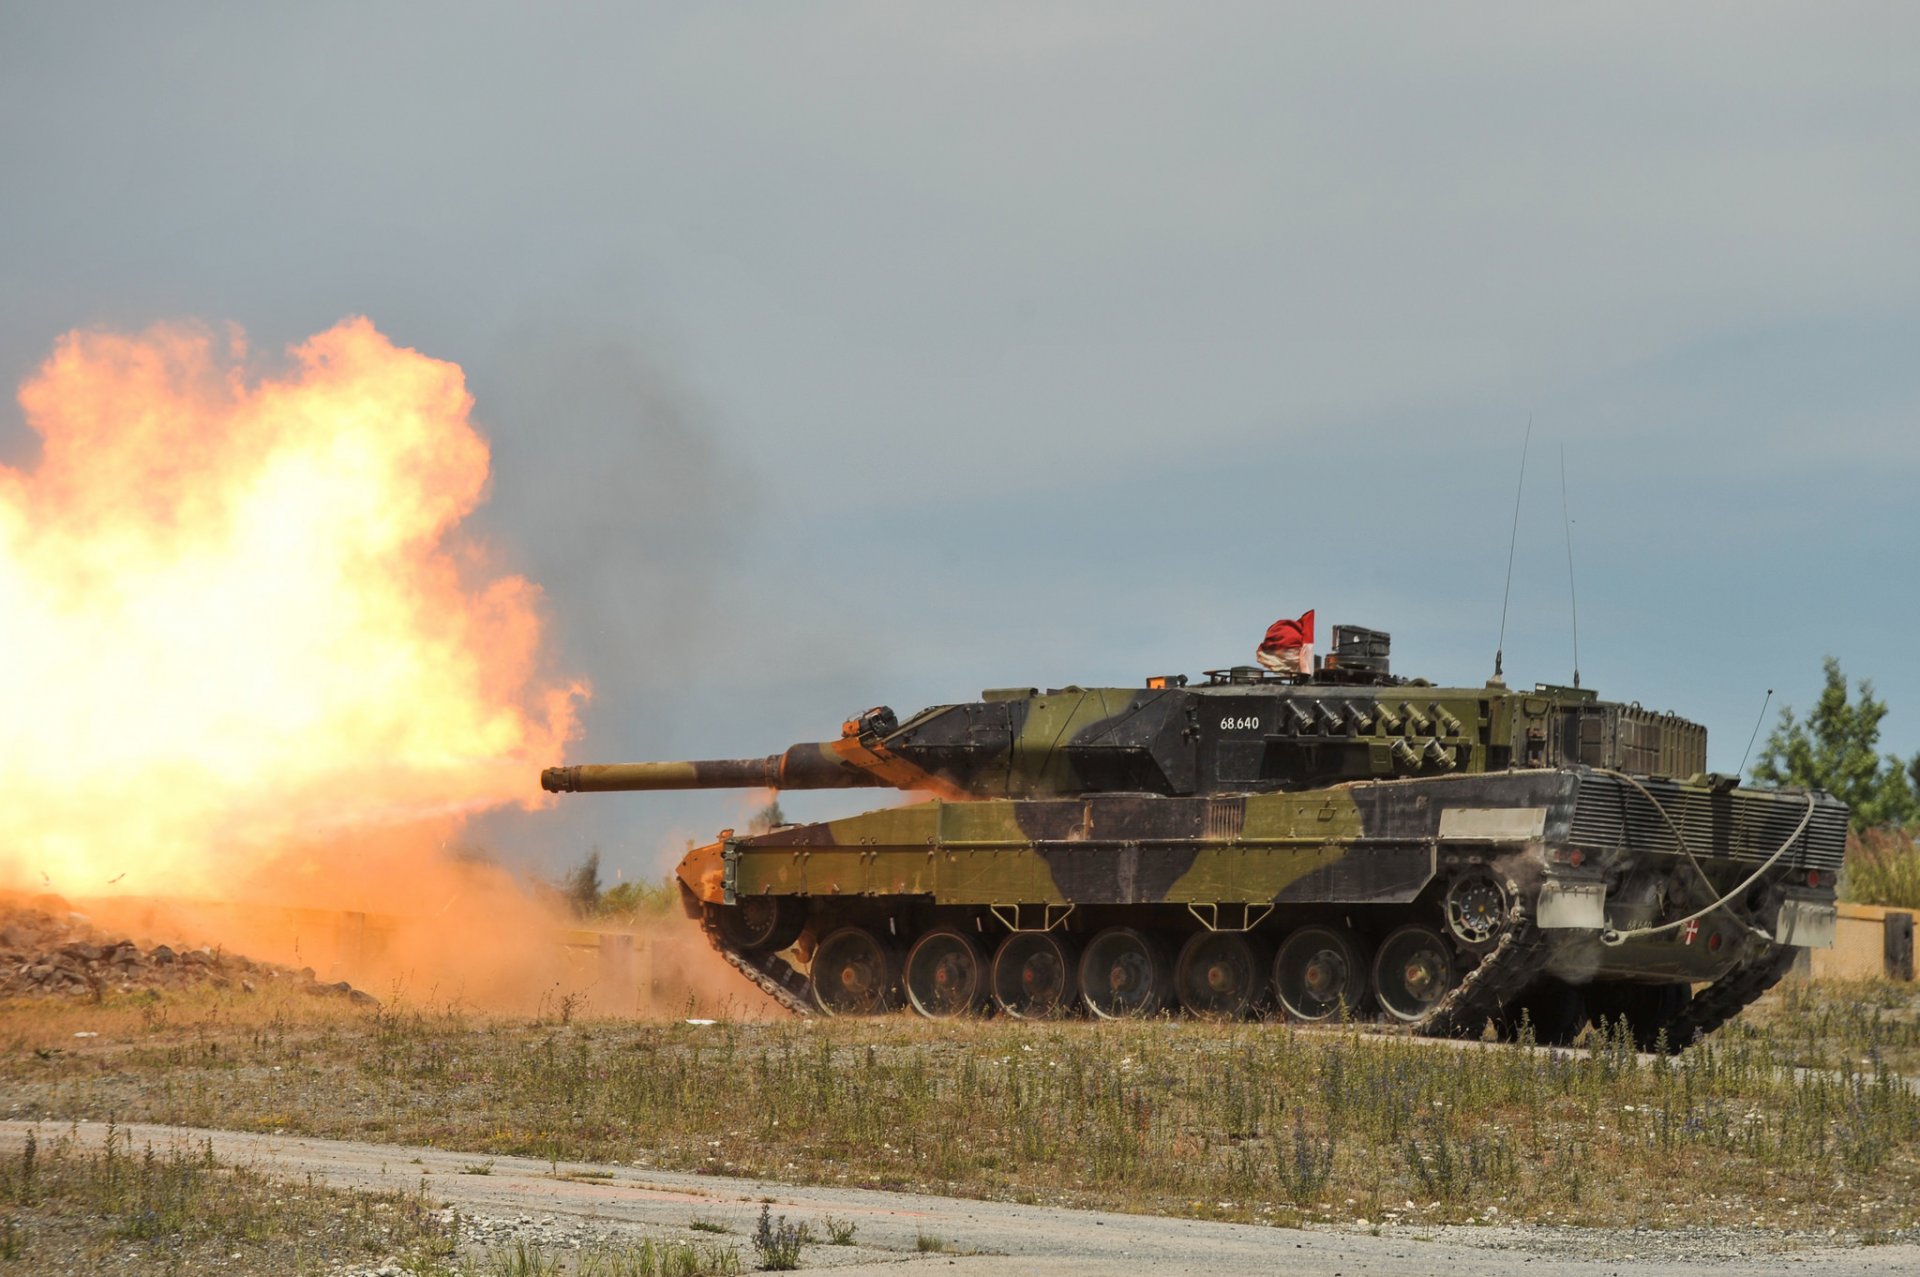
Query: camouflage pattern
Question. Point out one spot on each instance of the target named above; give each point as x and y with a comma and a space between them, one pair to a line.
1544, 828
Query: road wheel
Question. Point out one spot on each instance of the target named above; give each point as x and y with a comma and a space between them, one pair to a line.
946, 974
1412, 972
1218, 974
854, 973
1123, 975
1033, 975
1318, 971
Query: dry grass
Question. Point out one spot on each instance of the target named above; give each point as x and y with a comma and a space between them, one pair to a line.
67, 1208
1837, 1024
1247, 1121
1883, 868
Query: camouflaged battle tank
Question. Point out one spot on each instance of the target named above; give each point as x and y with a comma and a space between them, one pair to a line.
1344, 844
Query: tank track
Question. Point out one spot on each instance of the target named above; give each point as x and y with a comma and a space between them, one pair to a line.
1501, 976
769, 973
1726, 997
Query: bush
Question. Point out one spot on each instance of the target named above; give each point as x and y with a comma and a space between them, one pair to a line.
631, 901
1883, 868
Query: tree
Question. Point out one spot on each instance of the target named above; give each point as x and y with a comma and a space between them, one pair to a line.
581, 887
770, 815
1837, 749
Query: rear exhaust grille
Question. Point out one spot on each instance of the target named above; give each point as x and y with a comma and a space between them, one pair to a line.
1742, 824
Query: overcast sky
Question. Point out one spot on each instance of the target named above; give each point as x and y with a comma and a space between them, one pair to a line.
845, 354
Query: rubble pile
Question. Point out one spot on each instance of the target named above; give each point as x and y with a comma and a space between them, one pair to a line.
45, 955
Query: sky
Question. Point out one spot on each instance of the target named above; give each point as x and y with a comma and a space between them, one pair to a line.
843, 354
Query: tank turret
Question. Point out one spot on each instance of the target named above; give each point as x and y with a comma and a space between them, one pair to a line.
1243, 730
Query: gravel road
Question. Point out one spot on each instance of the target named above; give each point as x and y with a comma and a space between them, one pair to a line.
575, 1204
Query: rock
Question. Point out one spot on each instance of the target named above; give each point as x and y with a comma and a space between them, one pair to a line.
162, 955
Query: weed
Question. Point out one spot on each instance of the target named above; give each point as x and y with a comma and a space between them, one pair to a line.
477, 1168
777, 1243
839, 1231
1304, 1175
927, 1243
23, 1184
707, 1224
652, 1258
521, 1259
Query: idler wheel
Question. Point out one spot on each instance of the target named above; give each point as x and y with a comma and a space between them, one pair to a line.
1318, 970
1412, 972
1218, 974
1033, 975
854, 973
946, 974
1476, 906
761, 924
1123, 975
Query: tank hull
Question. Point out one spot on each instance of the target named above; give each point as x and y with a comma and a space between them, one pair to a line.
1487, 887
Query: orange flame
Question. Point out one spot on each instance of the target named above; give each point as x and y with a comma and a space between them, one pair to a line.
238, 617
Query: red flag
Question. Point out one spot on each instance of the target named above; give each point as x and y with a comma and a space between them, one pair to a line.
1288, 647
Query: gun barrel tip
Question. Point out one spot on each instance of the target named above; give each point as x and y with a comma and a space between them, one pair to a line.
555, 780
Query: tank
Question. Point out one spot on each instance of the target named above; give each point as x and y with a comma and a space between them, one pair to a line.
1343, 845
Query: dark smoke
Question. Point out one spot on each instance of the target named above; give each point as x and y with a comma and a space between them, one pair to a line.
613, 489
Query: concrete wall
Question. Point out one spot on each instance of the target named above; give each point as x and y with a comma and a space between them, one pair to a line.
1870, 941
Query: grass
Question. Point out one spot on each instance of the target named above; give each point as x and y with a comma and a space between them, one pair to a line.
1237, 1121
1862, 1025
176, 1209
1883, 868
646, 1258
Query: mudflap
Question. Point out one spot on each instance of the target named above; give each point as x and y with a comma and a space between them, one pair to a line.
1572, 905
1806, 924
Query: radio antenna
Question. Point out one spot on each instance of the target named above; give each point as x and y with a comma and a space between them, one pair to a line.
1500, 648
1572, 596
1756, 734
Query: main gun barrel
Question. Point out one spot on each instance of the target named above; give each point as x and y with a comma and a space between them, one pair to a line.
813, 766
